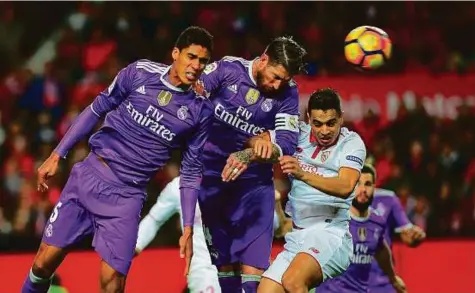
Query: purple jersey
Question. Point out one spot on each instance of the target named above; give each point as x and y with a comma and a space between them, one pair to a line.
145, 118
389, 207
241, 111
368, 237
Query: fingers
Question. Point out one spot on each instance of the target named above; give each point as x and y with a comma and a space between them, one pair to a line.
263, 149
236, 174
232, 170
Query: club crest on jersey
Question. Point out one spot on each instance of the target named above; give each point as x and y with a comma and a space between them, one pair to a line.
252, 96
266, 105
182, 113
164, 98
293, 123
325, 156
362, 233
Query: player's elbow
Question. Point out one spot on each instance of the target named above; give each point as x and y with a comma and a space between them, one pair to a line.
346, 190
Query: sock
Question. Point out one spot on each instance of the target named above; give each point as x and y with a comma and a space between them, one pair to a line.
250, 283
229, 282
34, 284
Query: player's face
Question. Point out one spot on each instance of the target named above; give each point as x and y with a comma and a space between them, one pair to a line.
190, 62
364, 192
326, 125
271, 78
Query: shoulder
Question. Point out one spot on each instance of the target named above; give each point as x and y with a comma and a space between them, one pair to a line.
350, 137
227, 64
304, 131
145, 66
144, 69
380, 192
377, 218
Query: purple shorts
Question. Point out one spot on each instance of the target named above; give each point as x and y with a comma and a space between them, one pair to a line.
95, 201
238, 221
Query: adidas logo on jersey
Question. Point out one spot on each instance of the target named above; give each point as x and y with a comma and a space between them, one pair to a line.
233, 88
141, 90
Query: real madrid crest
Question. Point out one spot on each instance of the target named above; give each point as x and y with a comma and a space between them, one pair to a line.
182, 113
362, 233
325, 156
266, 105
164, 98
252, 96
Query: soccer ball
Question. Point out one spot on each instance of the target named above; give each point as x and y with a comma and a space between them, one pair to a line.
367, 47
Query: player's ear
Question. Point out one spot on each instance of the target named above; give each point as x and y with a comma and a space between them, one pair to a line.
175, 53
264, 60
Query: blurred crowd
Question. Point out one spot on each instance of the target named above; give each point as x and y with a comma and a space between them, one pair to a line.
428, 162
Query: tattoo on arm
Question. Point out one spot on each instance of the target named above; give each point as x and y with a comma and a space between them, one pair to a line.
244, 156
247, 155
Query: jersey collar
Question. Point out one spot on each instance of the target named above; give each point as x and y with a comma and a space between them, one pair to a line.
168, 84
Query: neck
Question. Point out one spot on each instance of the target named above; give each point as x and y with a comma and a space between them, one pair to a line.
174, 80
355, 212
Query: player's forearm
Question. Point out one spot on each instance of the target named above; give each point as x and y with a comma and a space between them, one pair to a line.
82, 126
334, 186
384, 259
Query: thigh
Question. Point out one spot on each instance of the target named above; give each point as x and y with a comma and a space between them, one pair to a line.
278, 267
217, 229
330, 247
116, 221
253, 225
304, 269
70, 221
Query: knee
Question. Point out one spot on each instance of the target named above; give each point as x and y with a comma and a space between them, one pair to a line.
47, 260
248, 270
292, 284
113, 284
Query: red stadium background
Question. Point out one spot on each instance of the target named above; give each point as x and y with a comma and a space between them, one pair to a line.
434, 267
55, 58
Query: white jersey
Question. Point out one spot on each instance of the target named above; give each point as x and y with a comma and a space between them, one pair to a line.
168, 204
306, 204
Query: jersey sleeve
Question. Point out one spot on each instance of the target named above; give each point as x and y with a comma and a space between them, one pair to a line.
353, 153
105, 102
192, 167
116, 93
168, 204
398, 216
286, 132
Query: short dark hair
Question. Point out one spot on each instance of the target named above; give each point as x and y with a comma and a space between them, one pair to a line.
368, 169
288, 53
195, 35
325, 99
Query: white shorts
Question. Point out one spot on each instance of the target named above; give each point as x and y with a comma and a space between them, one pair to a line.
330, 244
204, 280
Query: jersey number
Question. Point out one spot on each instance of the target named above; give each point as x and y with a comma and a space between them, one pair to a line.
55, 213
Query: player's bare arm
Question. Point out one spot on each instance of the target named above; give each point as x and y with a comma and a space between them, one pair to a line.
384, 259
47, 170
341, 186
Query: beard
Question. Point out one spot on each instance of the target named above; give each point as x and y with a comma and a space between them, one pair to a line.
362, 206
270, 92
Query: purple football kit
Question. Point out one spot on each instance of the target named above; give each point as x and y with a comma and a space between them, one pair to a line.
389, 207
238, 215
145, 118
368, 237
